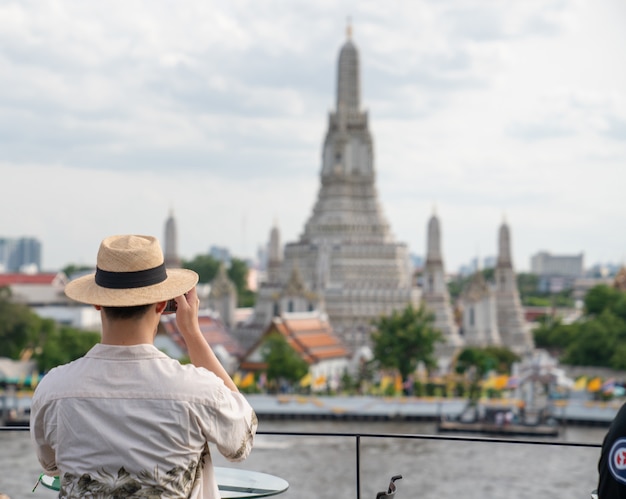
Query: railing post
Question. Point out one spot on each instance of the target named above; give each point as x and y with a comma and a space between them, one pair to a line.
358, 467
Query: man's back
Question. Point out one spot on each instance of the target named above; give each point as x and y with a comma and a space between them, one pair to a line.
130, 421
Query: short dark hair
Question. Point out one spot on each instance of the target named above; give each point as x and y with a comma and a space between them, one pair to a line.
134, 312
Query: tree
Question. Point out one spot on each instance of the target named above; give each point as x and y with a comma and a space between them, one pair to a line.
205, 266
600, 298
61, 344
476, 362
552, 334
596, 341
72, 268
21, 331
238, 273
405, 338
283, 362
19, 326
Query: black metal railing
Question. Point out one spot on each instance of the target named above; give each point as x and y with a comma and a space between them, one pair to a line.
358, 436
459, 438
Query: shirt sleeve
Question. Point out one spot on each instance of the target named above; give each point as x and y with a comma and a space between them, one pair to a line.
234, 425
42, 432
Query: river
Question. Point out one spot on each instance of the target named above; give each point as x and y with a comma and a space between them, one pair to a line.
325, 467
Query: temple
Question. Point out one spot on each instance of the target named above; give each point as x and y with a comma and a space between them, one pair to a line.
514, 330
346, 258
437, 297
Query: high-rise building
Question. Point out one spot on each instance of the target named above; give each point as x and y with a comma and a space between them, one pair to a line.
546, 264
556, 272
20, 254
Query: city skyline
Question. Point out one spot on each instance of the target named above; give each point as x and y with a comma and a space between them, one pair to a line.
113, 115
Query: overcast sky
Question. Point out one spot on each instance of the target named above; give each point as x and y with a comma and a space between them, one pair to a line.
114, 113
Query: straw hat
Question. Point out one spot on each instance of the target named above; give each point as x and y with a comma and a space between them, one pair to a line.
130, 271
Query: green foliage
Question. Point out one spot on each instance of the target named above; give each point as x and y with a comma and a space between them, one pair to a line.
22, 330
503, 357
483, 360
601, 298
527, 285
537, 301
552, 334
476, 362
73, 268
238, 273
207, 267
405, 338
19, 327
283, 363
246, 298
60, 345
598, 339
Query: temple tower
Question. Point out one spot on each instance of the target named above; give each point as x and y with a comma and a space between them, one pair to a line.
436, 296
274, 256
346, 253
480, 327
170, 249
513, 329
223, 297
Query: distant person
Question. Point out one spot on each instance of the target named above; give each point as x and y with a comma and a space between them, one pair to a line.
126, 420
612, 463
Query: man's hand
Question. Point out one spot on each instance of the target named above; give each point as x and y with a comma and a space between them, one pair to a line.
200, 352
187, 313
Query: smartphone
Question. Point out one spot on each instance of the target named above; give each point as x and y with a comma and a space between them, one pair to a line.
171, 307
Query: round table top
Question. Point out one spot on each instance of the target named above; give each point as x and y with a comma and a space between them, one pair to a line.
232, 483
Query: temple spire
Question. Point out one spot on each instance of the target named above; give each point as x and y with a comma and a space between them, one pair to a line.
275, 255
504, 246
348, 87
171, 242
434, 239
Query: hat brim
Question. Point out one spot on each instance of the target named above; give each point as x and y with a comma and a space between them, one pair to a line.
85, 290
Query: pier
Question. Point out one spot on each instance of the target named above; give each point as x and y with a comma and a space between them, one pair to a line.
369, 408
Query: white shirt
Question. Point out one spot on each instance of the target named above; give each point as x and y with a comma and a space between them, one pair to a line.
129, 421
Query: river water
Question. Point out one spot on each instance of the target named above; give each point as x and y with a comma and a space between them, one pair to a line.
325, 467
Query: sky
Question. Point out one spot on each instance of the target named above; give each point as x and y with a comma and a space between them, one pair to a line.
114, 114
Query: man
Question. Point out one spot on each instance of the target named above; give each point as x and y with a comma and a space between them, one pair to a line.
126, 420
612, 463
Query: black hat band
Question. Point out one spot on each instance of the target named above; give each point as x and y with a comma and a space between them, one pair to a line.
129, 280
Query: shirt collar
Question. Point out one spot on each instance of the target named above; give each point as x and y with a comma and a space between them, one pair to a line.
125, 352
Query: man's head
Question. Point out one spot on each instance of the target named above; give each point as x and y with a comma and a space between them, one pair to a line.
130, 272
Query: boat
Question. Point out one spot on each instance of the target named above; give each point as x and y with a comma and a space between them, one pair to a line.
14, 409
501, 419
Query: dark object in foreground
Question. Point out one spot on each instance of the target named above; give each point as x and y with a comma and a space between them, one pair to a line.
391, 491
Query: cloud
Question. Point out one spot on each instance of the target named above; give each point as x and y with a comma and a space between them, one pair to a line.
570, 114
220, 109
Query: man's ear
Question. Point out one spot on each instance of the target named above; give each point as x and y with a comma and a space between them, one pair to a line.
160, 306
97, 307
